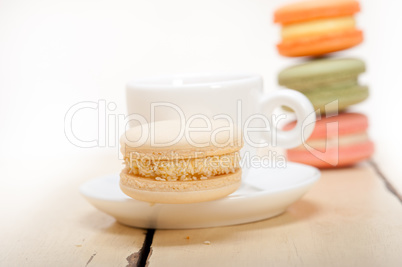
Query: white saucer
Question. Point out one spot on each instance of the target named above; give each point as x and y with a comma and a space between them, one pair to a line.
265, 193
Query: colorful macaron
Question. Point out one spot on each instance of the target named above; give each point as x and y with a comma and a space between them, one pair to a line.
313, 28
166, 163
330, 84
336, 141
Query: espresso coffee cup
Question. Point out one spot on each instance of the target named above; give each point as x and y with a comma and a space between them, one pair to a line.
238, 97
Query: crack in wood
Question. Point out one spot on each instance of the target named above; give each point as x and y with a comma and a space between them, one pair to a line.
388, 184
141, 258
132, 259
90, 259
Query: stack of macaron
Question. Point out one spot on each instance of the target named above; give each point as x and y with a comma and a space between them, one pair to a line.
316, 28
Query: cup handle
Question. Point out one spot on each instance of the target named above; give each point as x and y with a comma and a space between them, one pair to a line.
305, 116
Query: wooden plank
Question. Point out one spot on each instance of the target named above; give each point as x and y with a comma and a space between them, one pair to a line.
348, 219
387, 161
46, 222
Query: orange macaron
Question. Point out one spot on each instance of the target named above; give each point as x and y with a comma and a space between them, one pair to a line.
313, 28
337, 141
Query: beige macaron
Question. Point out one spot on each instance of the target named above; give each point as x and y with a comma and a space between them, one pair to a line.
179, 162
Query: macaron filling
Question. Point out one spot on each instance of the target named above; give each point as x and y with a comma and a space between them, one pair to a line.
183, 169
317, 27
345, 140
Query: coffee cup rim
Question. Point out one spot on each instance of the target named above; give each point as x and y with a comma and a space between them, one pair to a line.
196, 80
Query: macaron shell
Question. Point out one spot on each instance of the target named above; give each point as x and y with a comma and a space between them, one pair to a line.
347, 123
335, 101
344, 156
317, 85
308, 10
321, 72
320, 45
162, 139
323, 102
179, 192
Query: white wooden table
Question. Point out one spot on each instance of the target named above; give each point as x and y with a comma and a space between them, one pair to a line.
55, 54
349, 218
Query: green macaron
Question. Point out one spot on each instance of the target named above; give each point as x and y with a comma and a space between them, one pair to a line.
330, 84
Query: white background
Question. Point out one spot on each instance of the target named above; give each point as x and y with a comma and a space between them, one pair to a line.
54, 54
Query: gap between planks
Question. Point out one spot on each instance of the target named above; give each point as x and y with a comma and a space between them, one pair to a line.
388, 184
145, 252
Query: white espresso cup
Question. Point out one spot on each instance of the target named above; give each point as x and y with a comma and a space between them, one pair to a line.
239, 97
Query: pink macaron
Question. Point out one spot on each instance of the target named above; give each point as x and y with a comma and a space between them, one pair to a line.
336, 141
